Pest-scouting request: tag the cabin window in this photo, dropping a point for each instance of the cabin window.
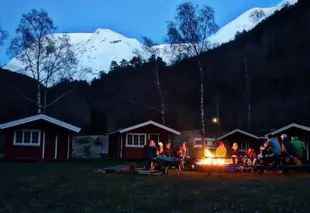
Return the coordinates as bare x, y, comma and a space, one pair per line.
27, 137
244, 146
154, 137
135, 140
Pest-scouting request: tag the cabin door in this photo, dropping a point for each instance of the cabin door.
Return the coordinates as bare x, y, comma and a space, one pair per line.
49, 145
154, 137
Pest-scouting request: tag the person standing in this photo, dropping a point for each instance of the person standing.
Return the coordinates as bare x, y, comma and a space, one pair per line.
151, 150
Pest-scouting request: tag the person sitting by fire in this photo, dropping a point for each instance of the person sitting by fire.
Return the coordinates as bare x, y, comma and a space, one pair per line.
220, 150
250, 157
167, 149
260, 155
299, 149
151, 150
182, 154
234, 153
286, 148
160, 150
273, 147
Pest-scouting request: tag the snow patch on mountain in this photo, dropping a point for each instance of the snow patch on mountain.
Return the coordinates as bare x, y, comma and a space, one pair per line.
97, 50
246, 22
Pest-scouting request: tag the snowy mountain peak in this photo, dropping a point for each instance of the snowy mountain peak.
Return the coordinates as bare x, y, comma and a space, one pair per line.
246, 21
108, 35
97, 50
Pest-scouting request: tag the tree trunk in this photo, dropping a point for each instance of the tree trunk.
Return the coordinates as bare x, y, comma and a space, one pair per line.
45, 101
161, 96
39, 105
218, 114
202, 114
248, 95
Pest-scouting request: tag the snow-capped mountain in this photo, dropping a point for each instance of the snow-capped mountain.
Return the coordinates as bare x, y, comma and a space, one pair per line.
97, 50
246, 21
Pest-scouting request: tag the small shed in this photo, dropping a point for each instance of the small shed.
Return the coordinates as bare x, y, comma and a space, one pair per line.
293, 129
244, 139
128, 143
38, 137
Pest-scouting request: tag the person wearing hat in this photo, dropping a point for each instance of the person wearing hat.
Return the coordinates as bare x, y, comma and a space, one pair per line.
220, 150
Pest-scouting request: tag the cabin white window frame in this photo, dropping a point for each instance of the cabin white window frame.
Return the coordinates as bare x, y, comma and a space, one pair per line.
139, 145
244, 146
22, 142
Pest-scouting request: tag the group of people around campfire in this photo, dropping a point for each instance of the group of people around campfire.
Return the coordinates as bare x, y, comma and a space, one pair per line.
292, 151
154, 151
234, 152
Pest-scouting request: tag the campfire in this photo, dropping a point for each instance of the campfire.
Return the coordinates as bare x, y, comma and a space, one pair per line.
211, 160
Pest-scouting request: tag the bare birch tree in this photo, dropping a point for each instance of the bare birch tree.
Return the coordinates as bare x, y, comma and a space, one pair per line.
44, 56
152, 52
247, 94
187, 35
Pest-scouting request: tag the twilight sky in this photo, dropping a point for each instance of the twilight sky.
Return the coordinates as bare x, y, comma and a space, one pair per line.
132, 18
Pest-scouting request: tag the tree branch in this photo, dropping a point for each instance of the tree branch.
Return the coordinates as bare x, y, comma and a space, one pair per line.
141, 102
58, 98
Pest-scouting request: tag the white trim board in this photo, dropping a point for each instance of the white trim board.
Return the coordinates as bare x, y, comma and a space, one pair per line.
235, 131
149, 123
40, 117
43, 145
56, 147
298, 126
68, 147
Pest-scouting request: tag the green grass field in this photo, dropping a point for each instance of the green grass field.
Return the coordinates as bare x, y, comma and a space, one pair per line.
74, 187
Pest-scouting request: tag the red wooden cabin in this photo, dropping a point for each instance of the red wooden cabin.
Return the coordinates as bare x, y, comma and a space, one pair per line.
38, 137
128, 143
293, 129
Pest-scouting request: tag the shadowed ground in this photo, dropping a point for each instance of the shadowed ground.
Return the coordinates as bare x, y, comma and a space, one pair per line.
75, 187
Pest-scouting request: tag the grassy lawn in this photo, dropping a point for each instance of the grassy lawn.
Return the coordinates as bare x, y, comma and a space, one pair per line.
73, 187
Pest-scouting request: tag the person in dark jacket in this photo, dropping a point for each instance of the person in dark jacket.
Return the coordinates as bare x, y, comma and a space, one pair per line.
151, 154
286, 148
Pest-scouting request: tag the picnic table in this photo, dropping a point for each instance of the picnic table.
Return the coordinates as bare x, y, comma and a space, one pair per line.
168, 162
270, 163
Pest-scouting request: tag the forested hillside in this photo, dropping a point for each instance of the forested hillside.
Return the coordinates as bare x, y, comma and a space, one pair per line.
272, 60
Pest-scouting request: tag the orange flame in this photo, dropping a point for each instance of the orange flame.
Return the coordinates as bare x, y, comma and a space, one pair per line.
209, 160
